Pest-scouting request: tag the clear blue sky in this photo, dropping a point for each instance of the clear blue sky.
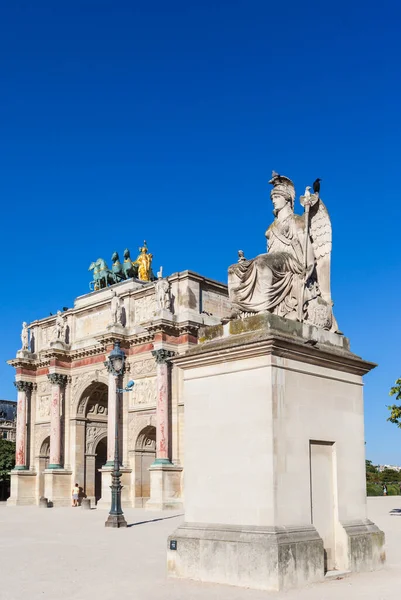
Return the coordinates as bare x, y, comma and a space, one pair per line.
131, 120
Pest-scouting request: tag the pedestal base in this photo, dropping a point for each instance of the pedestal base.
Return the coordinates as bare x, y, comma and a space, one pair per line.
365, 546
105, 500
265, 558
23, 488
58, 486
116, 521
280, 393
165, 487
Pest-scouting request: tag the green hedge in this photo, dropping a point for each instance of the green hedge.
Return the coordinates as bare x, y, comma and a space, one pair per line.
375, 489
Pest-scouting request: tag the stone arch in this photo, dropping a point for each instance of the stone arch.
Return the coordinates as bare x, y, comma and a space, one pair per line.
145, 454
44, 450
146, 439
80, 386
42, 462
94, 435
88, 395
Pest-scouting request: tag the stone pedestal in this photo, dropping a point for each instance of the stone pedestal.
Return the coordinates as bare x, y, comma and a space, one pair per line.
58, 487
165, 487
275, 489
105, 500
23, 488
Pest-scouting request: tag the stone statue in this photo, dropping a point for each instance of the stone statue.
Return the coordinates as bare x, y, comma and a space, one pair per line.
162, 288
116, 308
144, 262
292, 279
59, 334
25, 337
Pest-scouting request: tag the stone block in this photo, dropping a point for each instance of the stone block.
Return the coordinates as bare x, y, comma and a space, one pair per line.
266, 558
58, 486
23, 488
165, 487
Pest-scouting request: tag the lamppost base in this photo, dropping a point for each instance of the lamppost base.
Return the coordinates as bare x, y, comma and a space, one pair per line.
116, 521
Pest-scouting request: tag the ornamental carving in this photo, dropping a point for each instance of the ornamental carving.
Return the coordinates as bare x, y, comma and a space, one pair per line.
145, 309
44, 387
97, 409
142, 367
93, 432
57, 379
44, 407
138, 423
41, 433
161, 356
144, 392
23, 386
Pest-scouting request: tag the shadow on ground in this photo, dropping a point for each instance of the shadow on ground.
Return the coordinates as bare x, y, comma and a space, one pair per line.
154, 520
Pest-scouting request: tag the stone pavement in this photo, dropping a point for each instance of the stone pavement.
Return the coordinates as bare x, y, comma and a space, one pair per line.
68, 553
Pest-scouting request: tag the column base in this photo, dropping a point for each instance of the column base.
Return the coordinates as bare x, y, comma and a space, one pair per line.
165, 487
105, 500
20, 468
116, 521
54, 466
264, 558
58, 486
23, 488
363, 546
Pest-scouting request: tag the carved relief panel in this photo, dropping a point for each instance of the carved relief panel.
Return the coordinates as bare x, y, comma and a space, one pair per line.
144, 393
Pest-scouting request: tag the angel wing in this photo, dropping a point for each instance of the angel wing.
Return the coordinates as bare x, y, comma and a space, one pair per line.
321, 236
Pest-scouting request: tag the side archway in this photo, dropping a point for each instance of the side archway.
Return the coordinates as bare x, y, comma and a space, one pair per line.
145, 454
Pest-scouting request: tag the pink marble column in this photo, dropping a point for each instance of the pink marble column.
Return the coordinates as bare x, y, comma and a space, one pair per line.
111, 419
58, 382
24, 390
162, 407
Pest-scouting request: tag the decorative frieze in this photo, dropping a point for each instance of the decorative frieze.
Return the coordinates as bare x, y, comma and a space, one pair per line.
145, 309
144, 392
43, 407
142, 368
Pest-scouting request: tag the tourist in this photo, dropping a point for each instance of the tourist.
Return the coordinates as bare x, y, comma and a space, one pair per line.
384, 490
75, 495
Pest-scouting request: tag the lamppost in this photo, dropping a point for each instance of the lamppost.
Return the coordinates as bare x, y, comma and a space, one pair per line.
115, 366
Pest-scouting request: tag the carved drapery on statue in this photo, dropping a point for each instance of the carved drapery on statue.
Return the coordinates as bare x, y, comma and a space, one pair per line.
292, 279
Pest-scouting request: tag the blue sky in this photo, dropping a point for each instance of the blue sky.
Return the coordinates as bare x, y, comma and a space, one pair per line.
124, 121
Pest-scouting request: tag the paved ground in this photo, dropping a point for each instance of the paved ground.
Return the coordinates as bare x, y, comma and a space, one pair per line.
65, 553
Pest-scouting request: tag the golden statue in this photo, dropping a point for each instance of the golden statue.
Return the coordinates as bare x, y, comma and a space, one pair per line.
144, 262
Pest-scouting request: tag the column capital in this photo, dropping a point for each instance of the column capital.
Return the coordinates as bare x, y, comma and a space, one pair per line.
24, 386
162, 355
57, 379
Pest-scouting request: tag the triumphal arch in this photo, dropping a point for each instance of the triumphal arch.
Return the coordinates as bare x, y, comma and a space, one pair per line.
67, 398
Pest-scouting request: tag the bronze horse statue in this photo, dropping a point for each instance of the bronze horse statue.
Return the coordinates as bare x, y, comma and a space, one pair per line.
102, 276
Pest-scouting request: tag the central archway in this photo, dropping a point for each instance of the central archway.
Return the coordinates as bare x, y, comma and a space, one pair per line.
93, 406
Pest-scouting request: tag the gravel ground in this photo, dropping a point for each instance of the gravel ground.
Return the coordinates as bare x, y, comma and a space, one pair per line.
65, 553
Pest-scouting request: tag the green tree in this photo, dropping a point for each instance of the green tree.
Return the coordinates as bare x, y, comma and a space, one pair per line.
7, 459
395, 409
390, 475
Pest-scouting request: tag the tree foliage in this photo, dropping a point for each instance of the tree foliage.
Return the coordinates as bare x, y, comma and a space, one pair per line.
395, 409
376, 479
7, 458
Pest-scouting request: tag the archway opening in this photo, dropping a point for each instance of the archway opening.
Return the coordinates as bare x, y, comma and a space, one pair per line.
145, 454
44, 457
100, 460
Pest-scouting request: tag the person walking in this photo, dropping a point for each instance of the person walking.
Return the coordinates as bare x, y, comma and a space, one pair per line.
75, 495
384, 490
